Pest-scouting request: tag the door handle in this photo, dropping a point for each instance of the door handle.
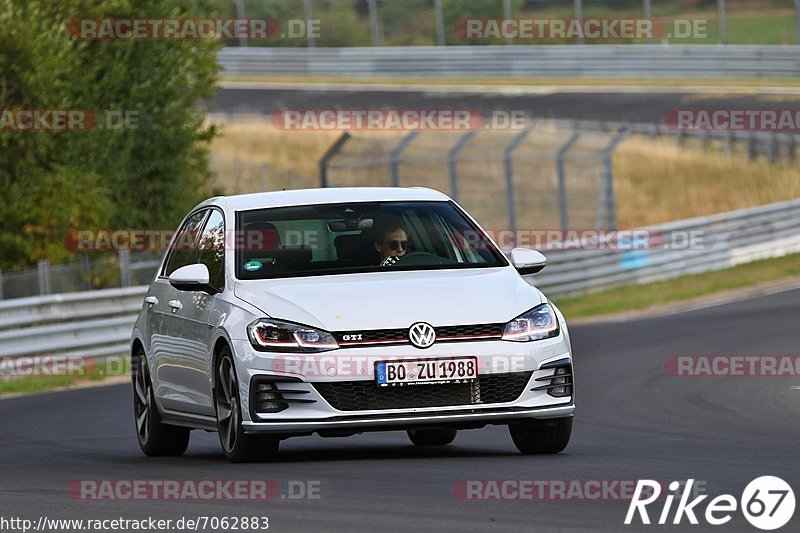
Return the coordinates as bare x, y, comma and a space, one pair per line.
175, 304
152, 300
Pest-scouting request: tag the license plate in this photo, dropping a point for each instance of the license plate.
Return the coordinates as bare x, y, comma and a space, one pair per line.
424, 371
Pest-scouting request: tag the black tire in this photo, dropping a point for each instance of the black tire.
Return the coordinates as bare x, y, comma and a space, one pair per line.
533, 436
155, 438
237, 446
432, 437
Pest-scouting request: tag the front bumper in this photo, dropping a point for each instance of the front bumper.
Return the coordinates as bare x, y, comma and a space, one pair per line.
460, 419
316, 415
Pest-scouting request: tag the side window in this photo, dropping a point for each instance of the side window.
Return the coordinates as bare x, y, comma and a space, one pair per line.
212, 249
182, 251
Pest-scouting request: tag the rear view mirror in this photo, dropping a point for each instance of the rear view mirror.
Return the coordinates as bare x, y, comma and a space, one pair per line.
350, 224
192, 278
527, 261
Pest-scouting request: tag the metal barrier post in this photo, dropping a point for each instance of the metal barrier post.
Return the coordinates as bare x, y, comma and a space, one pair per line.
452, 162
705, 139
373, 22
394, 157
579, 15
772, 150
723, 22
329, 154
86, 271
509, 172
240, 14
648, 9
562, 180
507, 16
437, 8
124, 267
607, 200
752, 151
797, 18
43, 267
729, 143
307, 14
1, 284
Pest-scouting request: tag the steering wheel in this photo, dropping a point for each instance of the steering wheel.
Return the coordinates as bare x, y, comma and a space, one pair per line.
421, 258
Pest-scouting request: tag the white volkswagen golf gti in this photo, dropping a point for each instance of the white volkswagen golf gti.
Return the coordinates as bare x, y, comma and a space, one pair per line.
340, 311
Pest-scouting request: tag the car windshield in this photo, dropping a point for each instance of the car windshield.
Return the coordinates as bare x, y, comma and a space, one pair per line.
359, 237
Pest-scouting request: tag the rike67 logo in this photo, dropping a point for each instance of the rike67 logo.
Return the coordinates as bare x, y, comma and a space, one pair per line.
767, 503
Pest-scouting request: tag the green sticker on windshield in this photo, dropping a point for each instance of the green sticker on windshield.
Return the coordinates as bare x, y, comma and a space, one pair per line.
252, 266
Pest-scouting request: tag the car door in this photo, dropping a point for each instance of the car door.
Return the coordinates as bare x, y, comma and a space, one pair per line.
169, 351
194, 317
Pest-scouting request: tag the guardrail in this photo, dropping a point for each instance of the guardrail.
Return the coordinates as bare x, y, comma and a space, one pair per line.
98, 323
655, 60
723, 240
89, 324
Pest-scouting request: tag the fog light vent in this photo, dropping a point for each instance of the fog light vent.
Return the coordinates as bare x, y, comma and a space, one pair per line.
559, 383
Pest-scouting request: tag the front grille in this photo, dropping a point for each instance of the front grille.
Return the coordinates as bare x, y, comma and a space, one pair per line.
475, 330
374, 336
367, 395
400, 336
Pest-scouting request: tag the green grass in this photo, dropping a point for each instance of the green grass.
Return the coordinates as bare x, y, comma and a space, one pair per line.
769, 29
40, 383
637, 297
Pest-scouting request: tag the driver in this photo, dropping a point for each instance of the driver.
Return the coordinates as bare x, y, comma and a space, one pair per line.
391, 241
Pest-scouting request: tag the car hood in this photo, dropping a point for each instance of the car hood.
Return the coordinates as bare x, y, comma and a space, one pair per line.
381, 300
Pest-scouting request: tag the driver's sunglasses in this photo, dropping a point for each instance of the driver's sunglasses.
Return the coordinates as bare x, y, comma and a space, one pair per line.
397, 245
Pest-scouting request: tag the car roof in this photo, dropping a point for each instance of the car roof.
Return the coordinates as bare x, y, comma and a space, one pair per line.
332, 195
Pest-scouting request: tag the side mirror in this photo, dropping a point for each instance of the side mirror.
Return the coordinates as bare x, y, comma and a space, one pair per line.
527, 261
192, 278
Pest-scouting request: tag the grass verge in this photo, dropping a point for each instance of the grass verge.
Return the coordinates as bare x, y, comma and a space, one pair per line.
640, 297
27, 384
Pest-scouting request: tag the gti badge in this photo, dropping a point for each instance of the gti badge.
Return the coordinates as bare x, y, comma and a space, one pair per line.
421, 334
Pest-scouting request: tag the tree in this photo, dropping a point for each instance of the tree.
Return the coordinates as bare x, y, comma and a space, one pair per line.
145, 175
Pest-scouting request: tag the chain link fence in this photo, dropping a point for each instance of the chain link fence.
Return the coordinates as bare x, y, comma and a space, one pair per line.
547, 176
90, 272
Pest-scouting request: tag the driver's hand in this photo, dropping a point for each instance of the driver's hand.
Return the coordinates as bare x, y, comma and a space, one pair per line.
390, 261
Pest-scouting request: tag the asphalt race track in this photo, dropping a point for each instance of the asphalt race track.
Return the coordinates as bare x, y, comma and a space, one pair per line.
633, 421
643, 105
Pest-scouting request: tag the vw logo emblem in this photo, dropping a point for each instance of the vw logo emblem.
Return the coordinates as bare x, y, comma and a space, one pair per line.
421, 334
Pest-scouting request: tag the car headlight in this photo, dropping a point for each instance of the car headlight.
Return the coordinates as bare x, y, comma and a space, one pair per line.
534, 325
270, 335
